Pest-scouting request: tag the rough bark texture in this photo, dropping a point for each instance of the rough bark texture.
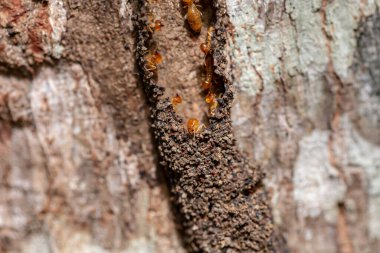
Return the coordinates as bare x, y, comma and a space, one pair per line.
78, 167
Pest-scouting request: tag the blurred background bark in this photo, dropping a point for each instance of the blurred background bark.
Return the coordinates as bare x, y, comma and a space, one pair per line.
78, 166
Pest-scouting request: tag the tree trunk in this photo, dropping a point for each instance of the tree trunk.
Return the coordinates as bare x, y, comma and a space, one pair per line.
94, 157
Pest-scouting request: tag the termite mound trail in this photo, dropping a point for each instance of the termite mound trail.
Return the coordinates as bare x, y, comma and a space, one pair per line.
220, 197
181, 69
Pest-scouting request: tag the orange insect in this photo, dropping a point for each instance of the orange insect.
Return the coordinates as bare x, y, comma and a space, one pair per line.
155, 26
193, 126
193, 16
210, 97
209, 70
152, 60
176, 100
211, 100
206, 46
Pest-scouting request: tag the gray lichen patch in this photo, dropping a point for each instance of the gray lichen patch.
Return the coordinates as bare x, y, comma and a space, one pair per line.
366, 71
221, 201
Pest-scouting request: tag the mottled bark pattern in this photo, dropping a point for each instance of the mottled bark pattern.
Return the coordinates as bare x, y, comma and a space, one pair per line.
306, 110
367, 74
78, 165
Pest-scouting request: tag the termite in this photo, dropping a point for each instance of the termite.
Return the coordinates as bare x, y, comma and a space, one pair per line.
176, 100
152, 60
206, 46
193, 16
194, 126
209, 69
209, 61
155, 26
211, 100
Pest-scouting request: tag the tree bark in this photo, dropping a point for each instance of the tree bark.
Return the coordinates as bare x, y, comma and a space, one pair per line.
85, 163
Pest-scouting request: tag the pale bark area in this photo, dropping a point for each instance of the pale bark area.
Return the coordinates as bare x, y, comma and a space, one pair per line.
78, 169
308, 110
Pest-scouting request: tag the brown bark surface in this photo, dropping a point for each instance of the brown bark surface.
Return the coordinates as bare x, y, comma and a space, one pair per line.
94, 159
